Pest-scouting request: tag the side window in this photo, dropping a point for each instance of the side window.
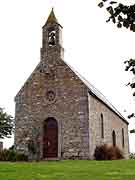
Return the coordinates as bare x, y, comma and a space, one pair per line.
102, 126
113, 138
123, 143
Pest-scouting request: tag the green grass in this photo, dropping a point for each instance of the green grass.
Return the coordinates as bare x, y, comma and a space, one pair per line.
69, 170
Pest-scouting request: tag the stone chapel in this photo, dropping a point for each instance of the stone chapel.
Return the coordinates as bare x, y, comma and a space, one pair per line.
58, 113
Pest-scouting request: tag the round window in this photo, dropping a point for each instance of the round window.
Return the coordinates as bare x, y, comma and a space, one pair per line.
50, 95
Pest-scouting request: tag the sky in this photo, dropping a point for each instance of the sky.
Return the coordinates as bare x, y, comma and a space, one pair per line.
94, 48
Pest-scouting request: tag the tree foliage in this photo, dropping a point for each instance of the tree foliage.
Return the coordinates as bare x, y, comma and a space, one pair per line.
130, 66
6, 124
132, 131
120, 14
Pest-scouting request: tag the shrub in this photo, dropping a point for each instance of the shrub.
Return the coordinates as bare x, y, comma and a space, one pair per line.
106, 152
132, 156
101, 152
11, 155
12, 147
21, 157
4, 155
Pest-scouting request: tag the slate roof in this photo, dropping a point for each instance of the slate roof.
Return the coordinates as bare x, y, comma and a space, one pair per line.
97, 94
52, 19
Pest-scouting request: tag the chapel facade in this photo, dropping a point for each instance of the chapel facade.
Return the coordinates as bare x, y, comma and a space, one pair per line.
58, 113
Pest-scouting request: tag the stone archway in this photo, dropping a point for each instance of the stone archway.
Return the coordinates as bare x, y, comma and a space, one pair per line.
50, 138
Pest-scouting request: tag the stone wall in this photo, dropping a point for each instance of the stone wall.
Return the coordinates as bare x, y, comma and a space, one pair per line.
111, 122
69, 108
77, 113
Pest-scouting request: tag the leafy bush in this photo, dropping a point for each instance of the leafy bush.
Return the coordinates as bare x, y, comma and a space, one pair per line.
4, 155
106, 152
12, 147
101, 152
11, 155
21, 157
132, 156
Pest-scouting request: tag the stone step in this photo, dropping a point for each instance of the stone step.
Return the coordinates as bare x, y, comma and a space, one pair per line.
51, 159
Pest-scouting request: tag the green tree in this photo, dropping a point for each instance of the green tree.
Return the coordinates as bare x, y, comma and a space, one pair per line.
130, 66
120, 14
6, 124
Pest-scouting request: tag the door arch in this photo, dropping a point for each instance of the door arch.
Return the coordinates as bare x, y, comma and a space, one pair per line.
114, 138
50, 138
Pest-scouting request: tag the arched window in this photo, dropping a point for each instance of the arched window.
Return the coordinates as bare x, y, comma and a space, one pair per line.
102, 126
123, 143
114, 138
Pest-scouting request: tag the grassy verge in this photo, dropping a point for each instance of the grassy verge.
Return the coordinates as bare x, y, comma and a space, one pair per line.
69, 170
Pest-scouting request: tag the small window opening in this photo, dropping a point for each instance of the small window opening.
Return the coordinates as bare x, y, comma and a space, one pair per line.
114, 138
123, 143
102, 126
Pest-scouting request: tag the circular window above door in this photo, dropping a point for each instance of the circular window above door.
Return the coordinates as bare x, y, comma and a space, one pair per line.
50, 95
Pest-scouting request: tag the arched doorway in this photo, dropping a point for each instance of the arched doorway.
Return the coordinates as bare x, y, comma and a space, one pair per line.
50, 138
114, 138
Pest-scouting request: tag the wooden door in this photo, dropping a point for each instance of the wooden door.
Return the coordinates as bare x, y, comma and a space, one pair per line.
50, 139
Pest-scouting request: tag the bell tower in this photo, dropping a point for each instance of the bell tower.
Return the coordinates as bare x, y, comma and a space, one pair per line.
51, 38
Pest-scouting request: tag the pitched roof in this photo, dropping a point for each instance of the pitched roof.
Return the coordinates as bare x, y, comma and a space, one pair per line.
98, 95
51, 18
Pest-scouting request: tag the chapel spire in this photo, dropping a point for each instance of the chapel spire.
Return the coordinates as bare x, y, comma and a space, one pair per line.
51, 18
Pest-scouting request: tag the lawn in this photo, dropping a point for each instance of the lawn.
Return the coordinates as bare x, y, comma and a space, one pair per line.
69, 170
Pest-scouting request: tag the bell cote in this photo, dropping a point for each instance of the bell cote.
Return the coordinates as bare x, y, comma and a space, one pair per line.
51, 36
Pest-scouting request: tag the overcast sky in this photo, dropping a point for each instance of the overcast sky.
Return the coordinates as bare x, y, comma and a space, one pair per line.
93, 47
